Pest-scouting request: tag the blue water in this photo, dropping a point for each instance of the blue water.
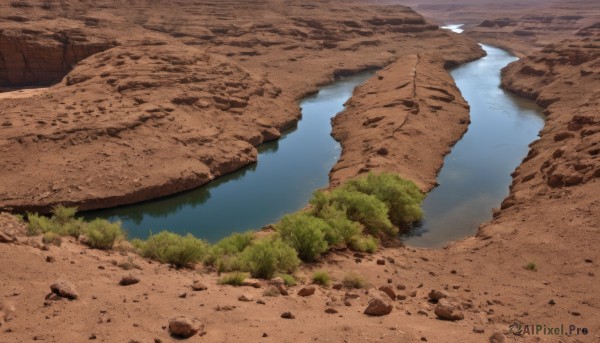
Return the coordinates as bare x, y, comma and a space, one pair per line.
283, 180
476, 174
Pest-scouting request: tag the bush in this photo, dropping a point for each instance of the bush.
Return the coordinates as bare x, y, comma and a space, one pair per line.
40, 224
531, 266
224, 253
267, 256
288, 279
353, 280
51, 237
402, 197
365, 243
342, 230
168, 247
234, 279
62, 214
305, 234
322, 278
102, 234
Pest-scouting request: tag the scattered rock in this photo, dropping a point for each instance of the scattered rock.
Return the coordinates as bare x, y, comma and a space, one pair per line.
478, 329
378, 307
306, 291
246, 297
182, 327
252, 283
497, 337
198, 286
389, 291
182, 295
288, 315
400, 287
448, 311
575, 313
331, 310
436, 295
64, 288
50, 259
338, 286
381, 262
129, 280
551, 302
401, 297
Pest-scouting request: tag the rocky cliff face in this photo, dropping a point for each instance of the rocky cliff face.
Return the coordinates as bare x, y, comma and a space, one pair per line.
564, 78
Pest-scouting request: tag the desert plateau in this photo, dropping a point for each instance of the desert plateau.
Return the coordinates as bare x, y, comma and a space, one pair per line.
299, 171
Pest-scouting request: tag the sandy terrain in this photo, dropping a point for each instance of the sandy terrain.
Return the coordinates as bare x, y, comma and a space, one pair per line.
550, 218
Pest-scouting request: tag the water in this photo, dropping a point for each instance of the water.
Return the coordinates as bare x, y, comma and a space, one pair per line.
476, 174
287, 172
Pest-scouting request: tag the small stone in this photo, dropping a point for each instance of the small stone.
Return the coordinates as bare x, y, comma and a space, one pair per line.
381, 262
400, 287
331, 310
93, 336
389, 280
423, 313
129, 280
252, 283
478, 329
246, 298
182, 327
497, 337
338, 286
401, 297
64, 288
260, 301
182, 295
50, 259
265, 335
424, 339
198, 286
575, 313
436, 295
587, 260
306, 291
551, 302
453, 271
347, 303
288, 315
389, 291
448, 311
413, 294
378, 307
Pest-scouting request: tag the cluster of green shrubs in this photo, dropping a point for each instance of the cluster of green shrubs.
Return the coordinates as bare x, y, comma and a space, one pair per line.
355, 215
99, 233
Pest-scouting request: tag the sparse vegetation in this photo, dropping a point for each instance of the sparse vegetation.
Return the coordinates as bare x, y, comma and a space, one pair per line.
102, 234
288, 279
322, 278
531, 266
51, 237
268, 256
353, 280
233, 279
365, 244
168, 247
304, 233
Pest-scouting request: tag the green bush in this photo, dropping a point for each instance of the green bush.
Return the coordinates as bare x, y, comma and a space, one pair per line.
322, 278
224, 253
233, 279
38, 224
305, 234
62, 214
267, 256
341, 229
51, 237
365, 243
288, 279
402, 197
353, 280
168, 247
365, 209
102, 234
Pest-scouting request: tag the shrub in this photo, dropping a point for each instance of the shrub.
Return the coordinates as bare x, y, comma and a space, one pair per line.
62, 214
267, 256
168, 247
38, 224
322, 278
234, 279
531, 266
402, 197
224, 253
288, 279
51, 237
365, 243
102, 234
305, 234
342, 230
353, 280
365, 209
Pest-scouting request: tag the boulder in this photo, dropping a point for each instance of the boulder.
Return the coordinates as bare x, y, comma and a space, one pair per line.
306, 291
252, 283
389, 291
436, 295
65, 289
182, 327
246, 297
199, 286
129, 280
378, 307
447, 310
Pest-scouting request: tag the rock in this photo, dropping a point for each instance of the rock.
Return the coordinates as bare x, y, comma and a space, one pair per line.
50, 259
331, 310
182, 295
282, 289
448, 311
252, 283
401, 297
277, 281
551, 302
413, 294
337, 286
389, 291
306, 291
198, 286
478, 329
347, 303
246, 297
378, 307
400, 287
129, 280
381, 262
182, 327
65, 289
5, 238
288, 315
497, 337
436, 295
271, 291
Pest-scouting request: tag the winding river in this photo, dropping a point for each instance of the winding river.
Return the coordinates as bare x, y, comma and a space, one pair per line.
474, 179
283, 180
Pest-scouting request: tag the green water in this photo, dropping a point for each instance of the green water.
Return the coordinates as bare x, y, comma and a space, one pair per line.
287, 172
